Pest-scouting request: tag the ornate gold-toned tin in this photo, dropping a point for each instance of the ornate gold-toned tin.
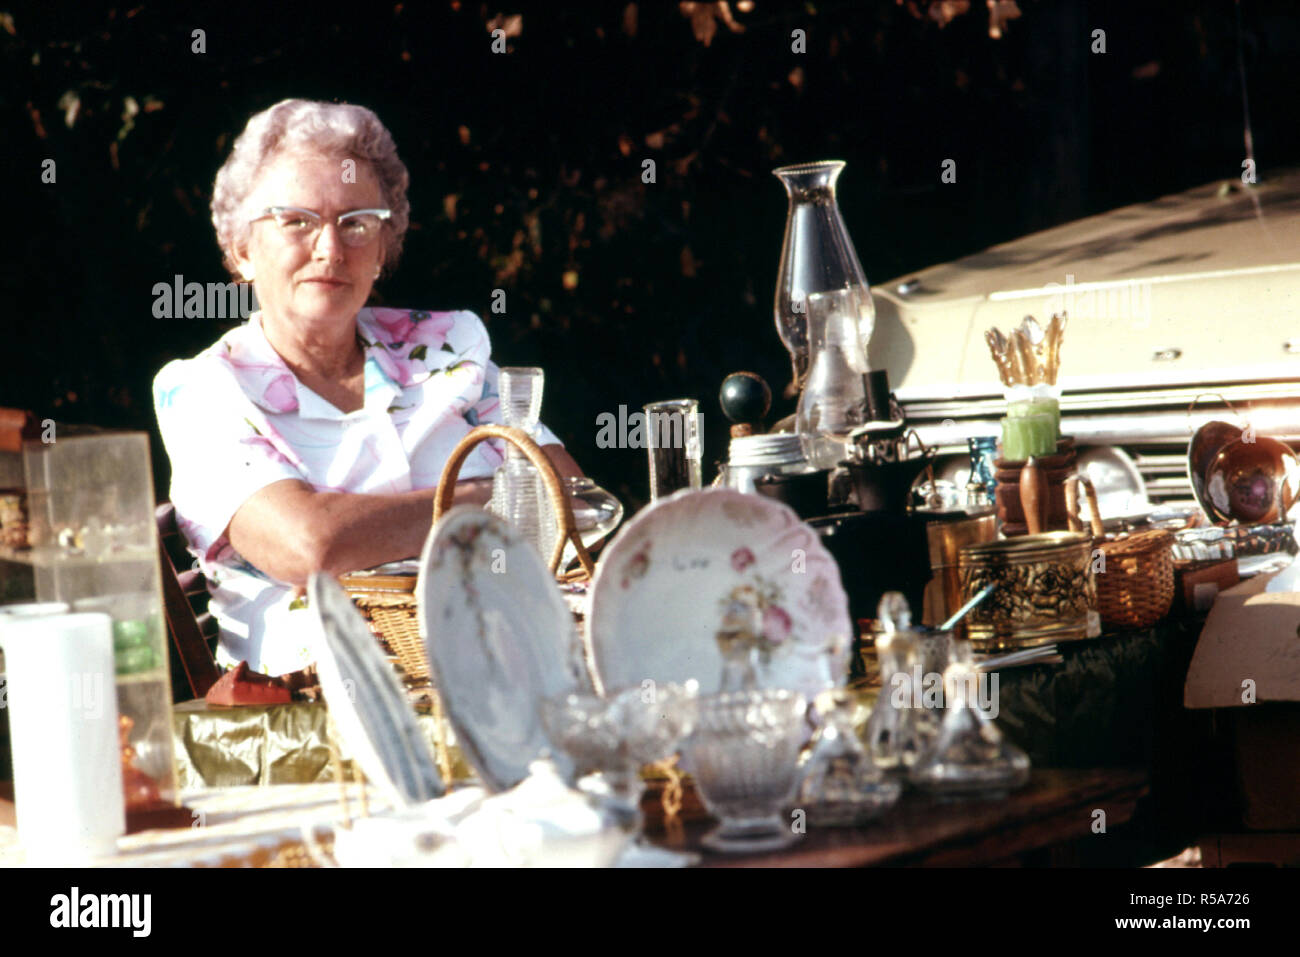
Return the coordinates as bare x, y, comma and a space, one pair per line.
1045, 590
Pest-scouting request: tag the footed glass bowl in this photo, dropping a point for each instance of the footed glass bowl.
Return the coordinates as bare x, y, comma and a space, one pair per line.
745, 753
615, 736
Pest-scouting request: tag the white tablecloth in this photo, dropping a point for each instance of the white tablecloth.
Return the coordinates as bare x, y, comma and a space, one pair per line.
231, 827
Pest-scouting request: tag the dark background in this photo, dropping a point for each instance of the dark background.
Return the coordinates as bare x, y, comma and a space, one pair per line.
526, 167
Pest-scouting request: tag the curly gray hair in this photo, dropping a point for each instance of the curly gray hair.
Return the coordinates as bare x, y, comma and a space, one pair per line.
337, 129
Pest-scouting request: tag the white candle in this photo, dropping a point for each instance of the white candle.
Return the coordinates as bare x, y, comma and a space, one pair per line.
63, 732
26, 610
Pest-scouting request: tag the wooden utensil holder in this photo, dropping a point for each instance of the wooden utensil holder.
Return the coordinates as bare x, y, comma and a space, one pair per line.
1055, 469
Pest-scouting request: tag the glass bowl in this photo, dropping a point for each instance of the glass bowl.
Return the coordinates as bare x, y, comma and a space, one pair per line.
615, 736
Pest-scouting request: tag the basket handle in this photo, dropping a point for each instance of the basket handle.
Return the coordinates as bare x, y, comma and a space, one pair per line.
1219, 395
1072, 503
559, 499
1090, 491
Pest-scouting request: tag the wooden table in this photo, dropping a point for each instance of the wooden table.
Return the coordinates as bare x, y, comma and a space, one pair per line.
1039, 824
253, 826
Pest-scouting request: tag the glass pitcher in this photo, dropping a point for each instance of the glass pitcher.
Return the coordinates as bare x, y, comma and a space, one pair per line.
817, 256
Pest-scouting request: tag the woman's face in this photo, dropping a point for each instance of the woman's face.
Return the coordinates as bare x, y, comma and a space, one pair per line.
318, 281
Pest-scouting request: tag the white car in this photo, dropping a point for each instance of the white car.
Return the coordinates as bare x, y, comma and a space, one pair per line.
1192, 299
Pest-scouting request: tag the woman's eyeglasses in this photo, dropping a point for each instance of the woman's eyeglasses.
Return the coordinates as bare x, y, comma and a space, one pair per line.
356, 228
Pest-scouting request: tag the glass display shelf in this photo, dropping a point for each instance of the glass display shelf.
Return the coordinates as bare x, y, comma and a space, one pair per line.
88, 504
53, 556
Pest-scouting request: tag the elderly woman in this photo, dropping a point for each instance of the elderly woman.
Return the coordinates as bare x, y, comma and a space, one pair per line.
312, 437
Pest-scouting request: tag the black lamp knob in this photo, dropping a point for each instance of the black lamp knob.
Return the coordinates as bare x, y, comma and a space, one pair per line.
745, 398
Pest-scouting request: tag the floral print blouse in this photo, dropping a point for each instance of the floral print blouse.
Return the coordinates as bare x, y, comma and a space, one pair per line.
235, 419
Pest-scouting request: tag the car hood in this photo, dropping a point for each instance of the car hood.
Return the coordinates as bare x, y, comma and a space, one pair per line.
1197, 287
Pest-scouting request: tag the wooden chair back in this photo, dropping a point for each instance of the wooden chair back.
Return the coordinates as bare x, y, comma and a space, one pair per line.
192, 629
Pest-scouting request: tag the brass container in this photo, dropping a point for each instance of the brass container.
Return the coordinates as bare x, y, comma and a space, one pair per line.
946, 539
1045, 593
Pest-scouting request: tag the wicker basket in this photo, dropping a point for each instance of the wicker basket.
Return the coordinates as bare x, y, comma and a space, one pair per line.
388, 601
388, 604
1137, 587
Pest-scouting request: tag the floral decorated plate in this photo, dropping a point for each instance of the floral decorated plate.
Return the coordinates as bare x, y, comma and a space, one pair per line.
676, 575
366, 700
499, 640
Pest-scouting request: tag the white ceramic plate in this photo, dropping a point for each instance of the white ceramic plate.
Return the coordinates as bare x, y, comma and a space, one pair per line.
662, 585
366, 700
499, 639
1121, 491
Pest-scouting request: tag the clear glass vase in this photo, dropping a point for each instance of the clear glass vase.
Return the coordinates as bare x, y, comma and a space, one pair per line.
817, 256
745, 756
518, 495
894, 738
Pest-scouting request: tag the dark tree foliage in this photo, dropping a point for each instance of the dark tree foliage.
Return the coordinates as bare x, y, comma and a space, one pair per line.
527, 166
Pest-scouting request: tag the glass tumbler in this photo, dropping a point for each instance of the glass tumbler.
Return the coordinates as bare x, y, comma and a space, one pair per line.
673, 439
